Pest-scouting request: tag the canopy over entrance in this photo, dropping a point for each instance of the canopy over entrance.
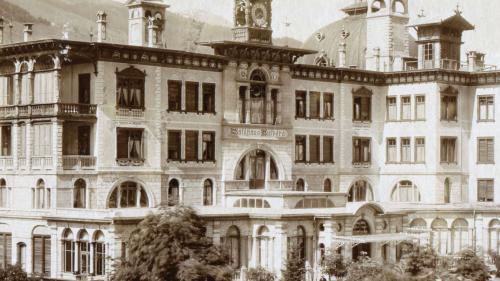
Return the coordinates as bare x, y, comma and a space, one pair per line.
383, 238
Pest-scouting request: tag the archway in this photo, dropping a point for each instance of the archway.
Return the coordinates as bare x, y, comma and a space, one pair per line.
360, 228
257, 167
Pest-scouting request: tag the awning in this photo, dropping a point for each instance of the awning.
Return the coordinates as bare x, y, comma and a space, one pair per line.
383, 238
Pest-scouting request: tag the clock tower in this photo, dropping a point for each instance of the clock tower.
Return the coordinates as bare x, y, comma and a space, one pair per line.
252, 21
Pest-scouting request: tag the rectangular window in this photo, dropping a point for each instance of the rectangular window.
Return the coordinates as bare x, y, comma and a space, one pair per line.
314, 105
300, 104
428, 52
420, 150
486, 108
485, 191
41, 255
392, 109
328, 150
42, 140
448, 150
361, 150
314, 149
6, 139
174, 95
130, 93
328, 106
192, 96
208, 146
6, 90
300, 148
191, 145
362, 108
5, 249
130, 144
449, 108
391, 151
174, 145
420, 107
485, 150
405, 150
405, 108
208, 97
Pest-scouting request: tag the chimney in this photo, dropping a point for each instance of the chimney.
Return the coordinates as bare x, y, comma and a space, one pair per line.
28, 31
1, 30
475, 61
101, 26
342, 55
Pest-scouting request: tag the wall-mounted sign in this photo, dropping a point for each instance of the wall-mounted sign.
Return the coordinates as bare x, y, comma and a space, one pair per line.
256, 133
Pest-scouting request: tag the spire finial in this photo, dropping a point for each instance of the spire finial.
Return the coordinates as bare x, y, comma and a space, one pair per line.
421, 14
457, 10
344, 34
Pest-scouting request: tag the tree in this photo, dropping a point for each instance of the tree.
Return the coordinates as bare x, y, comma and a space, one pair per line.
366, 269
260, 274
471, 267
334, 265
420, 261
13, 273
172, 246
295, 266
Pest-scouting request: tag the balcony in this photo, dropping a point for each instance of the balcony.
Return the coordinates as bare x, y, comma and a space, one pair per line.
6, 162
69, 110
41, 162
276, 185
78, 162
130, 113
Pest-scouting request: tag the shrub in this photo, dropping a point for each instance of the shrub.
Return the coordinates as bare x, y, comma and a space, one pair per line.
260, 274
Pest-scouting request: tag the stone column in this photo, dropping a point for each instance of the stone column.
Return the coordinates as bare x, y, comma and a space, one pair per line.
29, 144
268, 171
279, 105
183, 145
321, 105
183, 96
481, 247
54, 254
308, 145
269, 119
16, 88
437, 55
247, 105
15, 144
200, 145
321, 149
31, 90
280, 248
308, 105
200, 97
57, 144
57, 85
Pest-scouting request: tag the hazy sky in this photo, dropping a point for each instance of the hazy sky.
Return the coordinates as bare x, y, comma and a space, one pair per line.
306, 16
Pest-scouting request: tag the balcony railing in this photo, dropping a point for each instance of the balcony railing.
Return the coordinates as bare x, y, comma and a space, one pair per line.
48, 110
41, 162
78, 162
6, 162
130, 112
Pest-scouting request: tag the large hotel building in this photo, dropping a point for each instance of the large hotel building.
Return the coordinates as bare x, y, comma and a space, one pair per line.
376, 133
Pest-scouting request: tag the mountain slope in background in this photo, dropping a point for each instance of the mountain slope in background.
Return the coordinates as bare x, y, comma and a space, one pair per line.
50, 17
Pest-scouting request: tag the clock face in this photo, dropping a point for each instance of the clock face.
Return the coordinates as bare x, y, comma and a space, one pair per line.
259, 15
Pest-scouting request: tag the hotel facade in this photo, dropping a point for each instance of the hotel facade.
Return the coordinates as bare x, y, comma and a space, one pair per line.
366, 139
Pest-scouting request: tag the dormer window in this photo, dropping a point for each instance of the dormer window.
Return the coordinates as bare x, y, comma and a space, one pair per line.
130, 89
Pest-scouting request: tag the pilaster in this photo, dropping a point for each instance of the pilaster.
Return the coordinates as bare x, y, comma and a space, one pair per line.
57, 144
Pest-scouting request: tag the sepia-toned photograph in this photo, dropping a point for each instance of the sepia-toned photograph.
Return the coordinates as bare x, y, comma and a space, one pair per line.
249, 140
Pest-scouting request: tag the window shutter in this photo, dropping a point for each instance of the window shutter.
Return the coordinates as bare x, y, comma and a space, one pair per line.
491, 150
37, 255
8, 249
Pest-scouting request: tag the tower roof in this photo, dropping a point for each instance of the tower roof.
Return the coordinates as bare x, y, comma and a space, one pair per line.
456, 21
147, 2
360, 7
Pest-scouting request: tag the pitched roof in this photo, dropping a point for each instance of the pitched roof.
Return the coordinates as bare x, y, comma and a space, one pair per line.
356, 8
455, 21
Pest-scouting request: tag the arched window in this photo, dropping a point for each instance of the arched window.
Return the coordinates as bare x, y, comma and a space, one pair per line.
439, 236
405, 191
399, 7
255, 106
130, 89
68, 251
99, 254
173, 192
300, 185
361, 227
251, 203
360, 191
208, 193
254, 168
233, 245
41, 196
83, 252
447, 191
3, 194
377, 5
327, 185
79, 193
418, 224
314, 203
128, 195
494, 236
300, 240
265, 248
459, 235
